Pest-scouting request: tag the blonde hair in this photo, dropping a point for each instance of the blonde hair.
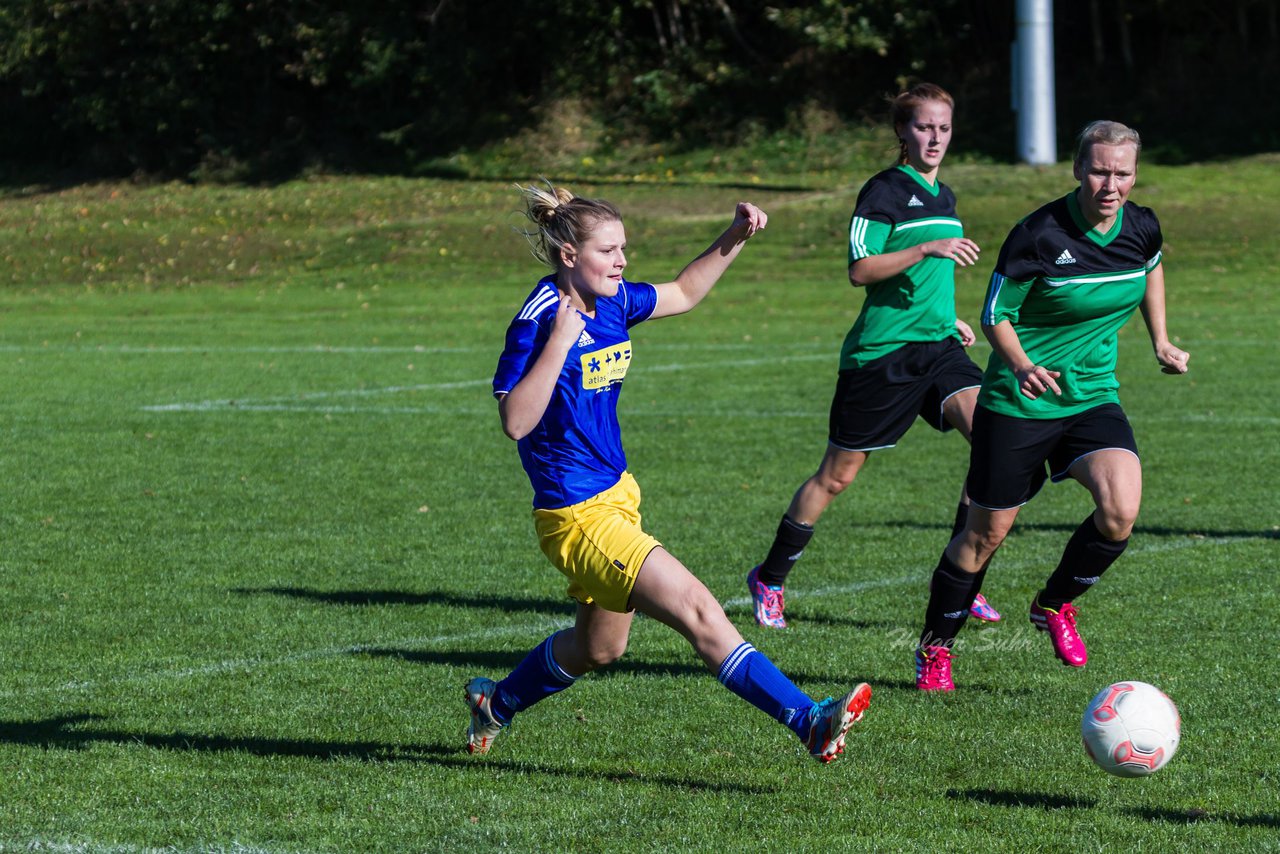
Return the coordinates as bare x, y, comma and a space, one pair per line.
902, 109
1103, 132
560, 218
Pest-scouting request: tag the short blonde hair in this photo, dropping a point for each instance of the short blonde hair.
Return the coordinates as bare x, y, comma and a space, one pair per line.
560, 218
1103, 132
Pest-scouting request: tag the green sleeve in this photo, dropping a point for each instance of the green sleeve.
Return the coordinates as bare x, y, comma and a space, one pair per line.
867, 237
1004, 299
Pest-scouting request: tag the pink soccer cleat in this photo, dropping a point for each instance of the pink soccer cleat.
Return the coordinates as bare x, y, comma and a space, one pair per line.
982, 610
1061, 626
933, 669
767, 601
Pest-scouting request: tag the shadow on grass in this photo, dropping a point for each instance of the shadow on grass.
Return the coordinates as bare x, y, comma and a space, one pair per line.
583, 180
505, 661
501, 662
1068, 528
1038, 800
78, 732
969, 688
1196, 816
403, 597
1043, 800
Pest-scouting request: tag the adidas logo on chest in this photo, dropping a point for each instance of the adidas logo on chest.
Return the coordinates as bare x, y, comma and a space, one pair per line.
915, 202
1065, 258
585, 340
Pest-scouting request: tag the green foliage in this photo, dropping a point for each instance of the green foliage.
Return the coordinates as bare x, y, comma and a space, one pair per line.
252, 89
836, 29
219, 89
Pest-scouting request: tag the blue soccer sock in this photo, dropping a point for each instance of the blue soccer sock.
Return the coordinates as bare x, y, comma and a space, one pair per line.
533, 680
755, 679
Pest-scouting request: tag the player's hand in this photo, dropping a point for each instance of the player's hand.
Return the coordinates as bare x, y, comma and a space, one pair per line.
962, 250
569, 323
967, 338
1171, 359
749, 218
1035, 381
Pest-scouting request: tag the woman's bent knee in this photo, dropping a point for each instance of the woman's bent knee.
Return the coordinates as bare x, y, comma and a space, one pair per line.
1116, 523
834, 483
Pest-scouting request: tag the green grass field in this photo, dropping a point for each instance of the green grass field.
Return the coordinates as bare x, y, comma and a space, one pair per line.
260, 524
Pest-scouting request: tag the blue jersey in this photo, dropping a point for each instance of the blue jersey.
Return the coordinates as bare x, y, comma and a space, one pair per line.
575, 451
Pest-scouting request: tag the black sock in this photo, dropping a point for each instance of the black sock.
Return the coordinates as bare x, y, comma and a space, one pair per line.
1087, 556
951, 594
788, 545
962, 516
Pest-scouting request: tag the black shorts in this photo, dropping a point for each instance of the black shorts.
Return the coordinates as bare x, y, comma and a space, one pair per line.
1011, 457
875, 405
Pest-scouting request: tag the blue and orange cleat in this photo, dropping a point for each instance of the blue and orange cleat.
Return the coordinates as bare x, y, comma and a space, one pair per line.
830, 721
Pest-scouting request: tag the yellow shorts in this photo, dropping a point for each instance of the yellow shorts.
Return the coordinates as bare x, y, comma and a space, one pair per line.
598, 544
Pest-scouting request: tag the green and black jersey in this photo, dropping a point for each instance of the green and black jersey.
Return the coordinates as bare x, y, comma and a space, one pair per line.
1067, 289
898, 209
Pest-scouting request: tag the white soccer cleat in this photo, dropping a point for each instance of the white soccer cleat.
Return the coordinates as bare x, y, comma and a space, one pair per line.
484, 727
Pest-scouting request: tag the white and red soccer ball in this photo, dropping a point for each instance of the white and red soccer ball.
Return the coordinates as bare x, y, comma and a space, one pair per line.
1131, 729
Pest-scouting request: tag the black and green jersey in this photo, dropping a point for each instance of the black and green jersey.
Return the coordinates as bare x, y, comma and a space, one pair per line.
898, 209
1067, 289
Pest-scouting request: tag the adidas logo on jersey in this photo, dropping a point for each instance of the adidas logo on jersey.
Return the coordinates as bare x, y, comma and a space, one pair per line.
585, 340
1065, 258
915, 202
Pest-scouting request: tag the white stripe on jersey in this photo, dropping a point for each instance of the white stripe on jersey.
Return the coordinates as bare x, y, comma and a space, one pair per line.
858, 237
1155, 262
1093, 280
918, 223
538, 302
989, 308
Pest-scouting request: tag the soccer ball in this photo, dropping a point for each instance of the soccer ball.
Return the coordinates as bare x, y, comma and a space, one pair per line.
1131, 729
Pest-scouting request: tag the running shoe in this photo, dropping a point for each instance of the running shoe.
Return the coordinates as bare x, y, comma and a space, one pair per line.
933, 669
1061, 626
484, 726
982, 610
766, 600
830, 721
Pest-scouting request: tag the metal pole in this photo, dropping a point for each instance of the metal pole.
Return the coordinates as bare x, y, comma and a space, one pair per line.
1033, 82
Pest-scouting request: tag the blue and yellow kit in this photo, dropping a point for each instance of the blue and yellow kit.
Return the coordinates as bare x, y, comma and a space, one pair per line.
575, 451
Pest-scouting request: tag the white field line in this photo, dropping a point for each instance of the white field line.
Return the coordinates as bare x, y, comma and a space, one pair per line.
487, 411
142, 349
323, 349
831, 347
529, 629
273, 404
298, 402
1263, 420
93, 847
291, 403
245, 665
